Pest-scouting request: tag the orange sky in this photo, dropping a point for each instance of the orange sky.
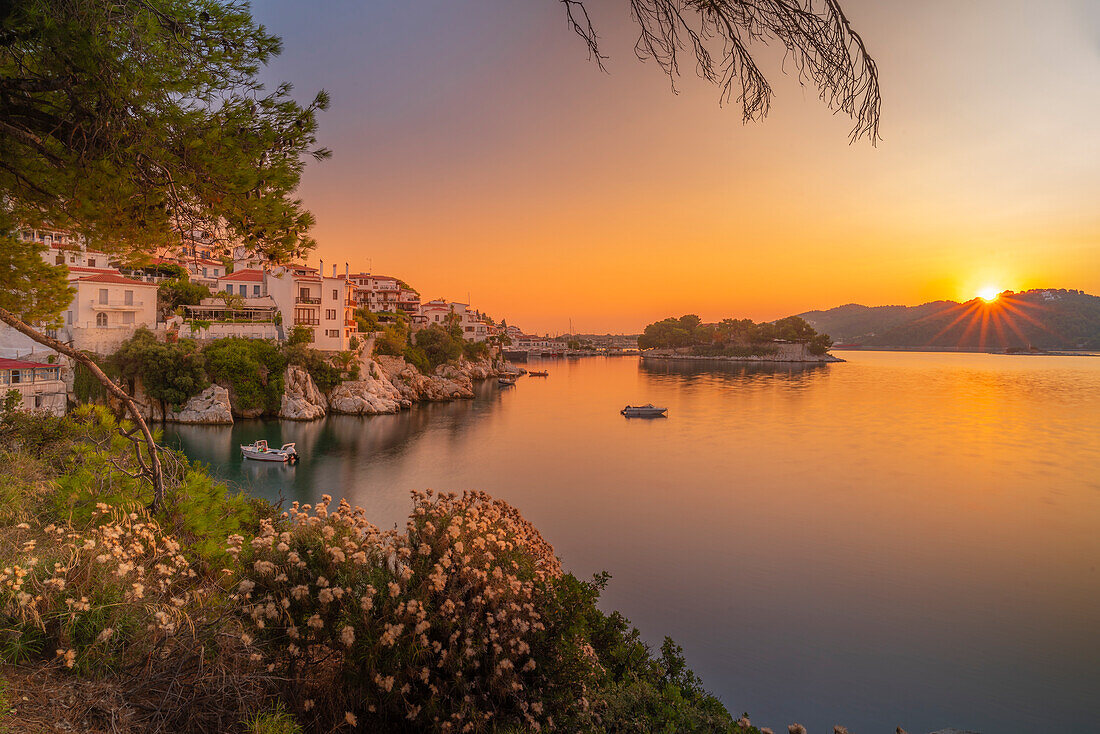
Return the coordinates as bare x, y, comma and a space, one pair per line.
477, 151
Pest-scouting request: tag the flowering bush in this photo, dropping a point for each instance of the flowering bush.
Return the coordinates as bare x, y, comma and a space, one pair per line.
430, 628
92, 596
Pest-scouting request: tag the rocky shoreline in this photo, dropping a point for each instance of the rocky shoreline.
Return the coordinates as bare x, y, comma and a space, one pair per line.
386, 385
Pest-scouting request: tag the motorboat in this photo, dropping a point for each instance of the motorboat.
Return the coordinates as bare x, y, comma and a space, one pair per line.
260, 451
644, 411
507, 381
539, 373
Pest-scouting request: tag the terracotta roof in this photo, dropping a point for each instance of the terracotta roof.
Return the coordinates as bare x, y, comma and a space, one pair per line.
249, 275
113, 278
18, 364
201, 260
82, 272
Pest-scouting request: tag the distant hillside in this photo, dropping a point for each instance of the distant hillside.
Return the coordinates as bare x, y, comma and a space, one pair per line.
1041, 318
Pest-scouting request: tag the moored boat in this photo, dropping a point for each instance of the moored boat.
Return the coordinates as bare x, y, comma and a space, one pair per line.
260, 451
507, 381
644, 411
539, 373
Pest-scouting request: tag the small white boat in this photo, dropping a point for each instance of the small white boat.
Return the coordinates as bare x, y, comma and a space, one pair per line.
539, 373
644, 411
261, 452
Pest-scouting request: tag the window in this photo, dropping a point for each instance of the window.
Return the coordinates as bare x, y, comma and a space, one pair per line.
217, 272
91, 262
101, 319
128, 298
128, 317
72, 258
38, 401
335, 294
256, 290
16, 376
330, 314
103, 295
229, 288
204, 274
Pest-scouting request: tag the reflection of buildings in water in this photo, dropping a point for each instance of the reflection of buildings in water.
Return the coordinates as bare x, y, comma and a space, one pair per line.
798, 373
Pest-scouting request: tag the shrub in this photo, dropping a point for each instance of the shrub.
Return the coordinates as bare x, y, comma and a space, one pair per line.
252, 368
170, 373
428, 629
475, 350
438, 345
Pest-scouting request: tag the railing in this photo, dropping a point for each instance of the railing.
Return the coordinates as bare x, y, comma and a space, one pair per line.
98, 304
308, 299
306, 321
351, 322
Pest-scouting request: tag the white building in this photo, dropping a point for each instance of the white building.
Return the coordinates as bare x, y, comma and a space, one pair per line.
245, 283
39, 385
469, 320
213, 319
325, 305
107, 309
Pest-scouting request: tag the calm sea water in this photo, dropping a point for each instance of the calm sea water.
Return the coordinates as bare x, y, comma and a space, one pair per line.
905, 538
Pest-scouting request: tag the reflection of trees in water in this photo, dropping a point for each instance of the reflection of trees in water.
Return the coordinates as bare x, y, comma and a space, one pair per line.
334, 450
797, 374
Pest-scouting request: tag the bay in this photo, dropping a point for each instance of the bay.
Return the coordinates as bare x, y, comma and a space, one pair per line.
904, 538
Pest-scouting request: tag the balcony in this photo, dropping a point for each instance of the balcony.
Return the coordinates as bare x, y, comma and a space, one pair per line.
309, 300
116, 305
307, 321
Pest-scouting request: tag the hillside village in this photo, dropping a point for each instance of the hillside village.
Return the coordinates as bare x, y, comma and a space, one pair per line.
248, 298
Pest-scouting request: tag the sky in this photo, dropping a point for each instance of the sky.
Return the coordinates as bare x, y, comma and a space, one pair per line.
480, 155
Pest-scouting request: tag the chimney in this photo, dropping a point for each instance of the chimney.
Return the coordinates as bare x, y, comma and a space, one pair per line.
347, 270
321, 270
334, 270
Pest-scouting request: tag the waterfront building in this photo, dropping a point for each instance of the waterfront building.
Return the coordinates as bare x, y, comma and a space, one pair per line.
325, 305
255, 318
469, 320
245, 283
39, 385
106, 309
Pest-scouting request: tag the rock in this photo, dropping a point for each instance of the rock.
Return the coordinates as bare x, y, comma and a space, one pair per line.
302, 401
954, 731
210, 407
371, 395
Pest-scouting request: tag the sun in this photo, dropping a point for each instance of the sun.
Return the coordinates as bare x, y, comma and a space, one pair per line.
989, 294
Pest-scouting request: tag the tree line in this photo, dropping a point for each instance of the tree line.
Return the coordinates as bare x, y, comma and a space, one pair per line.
689, 331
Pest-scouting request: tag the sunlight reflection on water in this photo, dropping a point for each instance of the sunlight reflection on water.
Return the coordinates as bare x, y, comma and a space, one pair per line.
906, 538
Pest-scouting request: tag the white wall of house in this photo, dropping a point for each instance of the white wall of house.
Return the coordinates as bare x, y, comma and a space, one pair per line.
106, 310
39, 385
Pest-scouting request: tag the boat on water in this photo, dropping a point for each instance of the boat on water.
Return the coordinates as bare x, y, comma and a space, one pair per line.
539, 373
644, 411
507, 381
260, 451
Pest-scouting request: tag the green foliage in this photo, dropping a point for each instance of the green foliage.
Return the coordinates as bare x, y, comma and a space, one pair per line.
670, 333
440, 345
394, 339
275, 721
154, 112
252, 368
475, 350
12, 400
325, 374
300, 335
170, 372
34, 291
171, 294
731, 337
366, 320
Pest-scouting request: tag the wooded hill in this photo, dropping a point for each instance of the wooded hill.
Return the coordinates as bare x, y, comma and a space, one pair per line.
1040, 318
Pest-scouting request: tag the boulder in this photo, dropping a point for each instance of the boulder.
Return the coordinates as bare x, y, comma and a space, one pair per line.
210, 407
302, 401
371, 395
